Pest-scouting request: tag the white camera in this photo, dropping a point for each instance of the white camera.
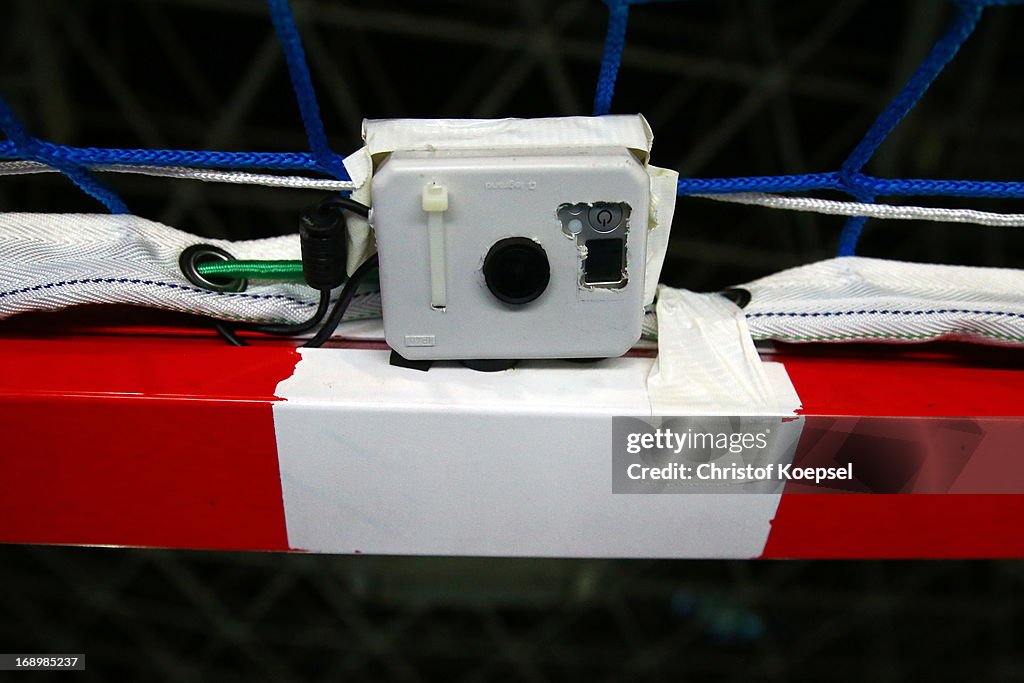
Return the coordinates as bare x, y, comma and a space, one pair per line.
511, 254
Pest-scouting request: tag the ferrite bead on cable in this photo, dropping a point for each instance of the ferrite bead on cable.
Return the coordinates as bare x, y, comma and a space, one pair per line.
324, 252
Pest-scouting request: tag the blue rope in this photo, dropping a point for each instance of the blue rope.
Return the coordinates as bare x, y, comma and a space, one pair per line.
849, 178
869, 185
88, 156
907, 187
302, 84
770, 183
853, 228
941, 54
867, 188
72, 160
611, 58
27, 147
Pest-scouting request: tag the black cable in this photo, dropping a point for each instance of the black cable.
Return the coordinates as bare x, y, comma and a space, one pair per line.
287, 329
229, 334
348, 292
323, 256
315, 259
339, 202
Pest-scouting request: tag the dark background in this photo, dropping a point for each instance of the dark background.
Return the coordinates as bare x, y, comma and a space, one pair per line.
730, 88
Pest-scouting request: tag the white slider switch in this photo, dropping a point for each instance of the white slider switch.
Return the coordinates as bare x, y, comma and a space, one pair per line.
435, 203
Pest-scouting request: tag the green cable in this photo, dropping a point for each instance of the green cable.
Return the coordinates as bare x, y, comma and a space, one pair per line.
251, 270
260, 270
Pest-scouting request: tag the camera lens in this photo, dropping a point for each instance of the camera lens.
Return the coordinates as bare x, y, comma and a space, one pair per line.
516, 270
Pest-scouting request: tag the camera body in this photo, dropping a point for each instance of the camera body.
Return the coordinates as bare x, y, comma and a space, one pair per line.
511, 254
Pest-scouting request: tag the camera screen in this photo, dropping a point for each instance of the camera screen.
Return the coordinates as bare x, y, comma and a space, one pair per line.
605, 261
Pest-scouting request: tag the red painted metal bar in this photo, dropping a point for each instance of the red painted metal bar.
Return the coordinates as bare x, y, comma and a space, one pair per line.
150, 436
158, 434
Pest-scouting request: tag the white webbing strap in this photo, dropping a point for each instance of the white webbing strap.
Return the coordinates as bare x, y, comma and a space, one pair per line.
855, 298
51, 261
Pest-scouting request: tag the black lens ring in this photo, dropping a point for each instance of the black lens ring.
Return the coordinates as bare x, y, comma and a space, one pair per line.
493, 279
204, 253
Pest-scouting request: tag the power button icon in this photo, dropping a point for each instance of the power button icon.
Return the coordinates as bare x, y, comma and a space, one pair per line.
605, 217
